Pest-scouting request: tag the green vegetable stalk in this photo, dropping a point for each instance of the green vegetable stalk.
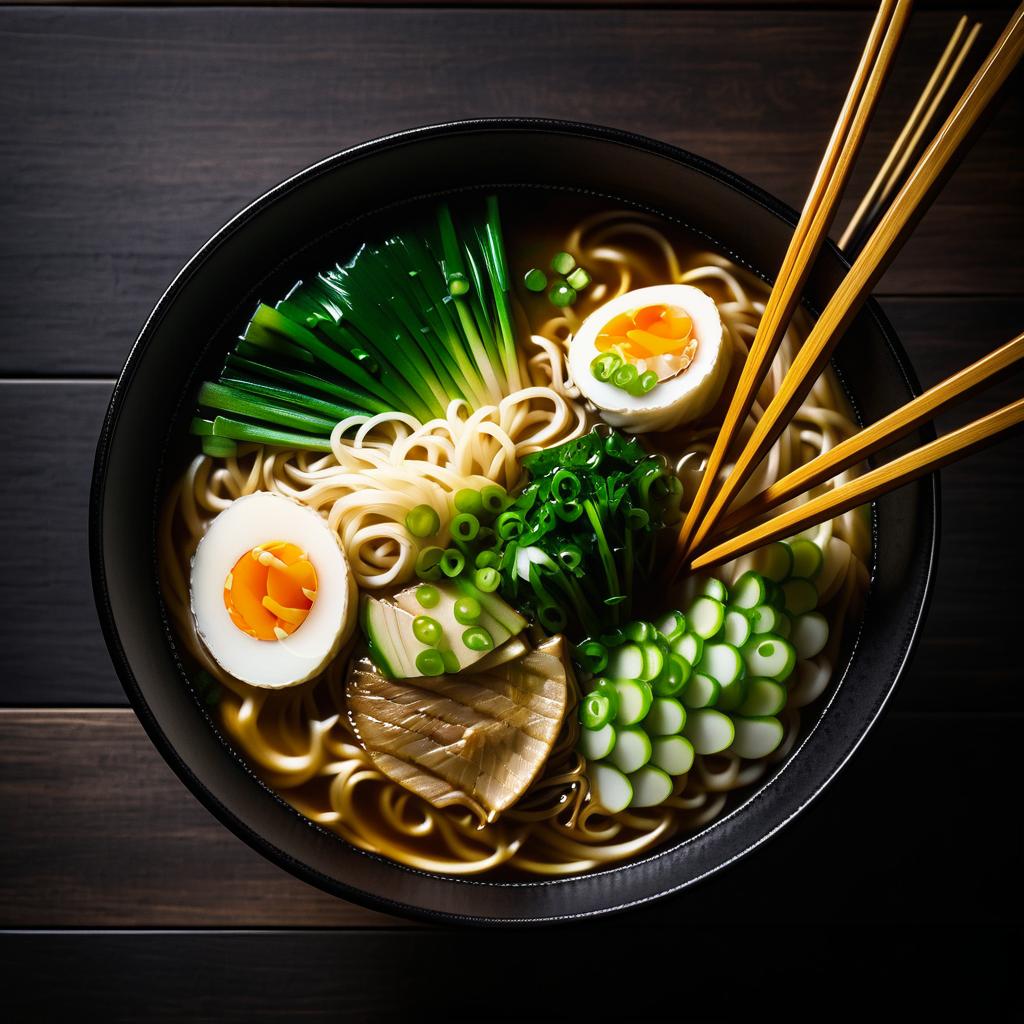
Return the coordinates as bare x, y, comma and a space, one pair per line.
406, 325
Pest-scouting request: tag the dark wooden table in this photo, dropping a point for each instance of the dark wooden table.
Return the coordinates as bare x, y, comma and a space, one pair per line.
129, 136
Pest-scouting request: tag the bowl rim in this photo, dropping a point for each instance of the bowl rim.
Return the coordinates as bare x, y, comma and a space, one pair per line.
194, 265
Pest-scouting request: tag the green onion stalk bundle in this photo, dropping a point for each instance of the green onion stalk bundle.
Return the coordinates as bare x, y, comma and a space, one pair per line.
579, 544
406, 325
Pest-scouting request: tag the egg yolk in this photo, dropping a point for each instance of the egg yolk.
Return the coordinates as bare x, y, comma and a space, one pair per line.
657, 337
270, 590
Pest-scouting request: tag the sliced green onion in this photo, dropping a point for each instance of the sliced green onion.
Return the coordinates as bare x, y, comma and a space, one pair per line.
595, 711
579, 279
427, 630
807, 558
634, 701
709, 731
487, 560
770, 656
563, 263
609, 689
467, 500
510, 525
716, 589
624, 376
632, 750
633, 387
494, 498
570, 556
672, 625
738, 626
672, 754
595, 744
592, 656
487, 579
666, 716
428, 563
626, 662
603, 366
757, 737
764, 697
647, 381
465, 526
675, 674
467, 611
535, 279
422, 521
476, 638
749, 591
765, 618
706, 617
774, 562
651, 786
562, 295
569, 511
565, 485
430, 662
639, 632
452, 562
612, 790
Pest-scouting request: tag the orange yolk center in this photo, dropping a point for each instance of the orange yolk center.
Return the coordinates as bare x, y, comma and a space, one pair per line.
270, 590
658, 338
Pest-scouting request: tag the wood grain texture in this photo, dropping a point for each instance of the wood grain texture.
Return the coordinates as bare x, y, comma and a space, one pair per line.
51, 427
53, 649
114, 839
98, 833
133, 135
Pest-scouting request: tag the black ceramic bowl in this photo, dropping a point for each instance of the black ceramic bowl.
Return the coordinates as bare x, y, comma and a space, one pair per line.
256, 254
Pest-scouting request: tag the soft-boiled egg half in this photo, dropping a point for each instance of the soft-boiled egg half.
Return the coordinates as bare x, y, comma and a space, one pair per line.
273, 596
652, 358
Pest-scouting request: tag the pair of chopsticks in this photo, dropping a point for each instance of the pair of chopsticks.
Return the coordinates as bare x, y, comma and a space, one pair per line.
889, 176
892, 229
886, 431
811, 231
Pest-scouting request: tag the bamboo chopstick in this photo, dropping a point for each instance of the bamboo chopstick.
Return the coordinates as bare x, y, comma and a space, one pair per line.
863, 489
810, 232
878, 435
880, 249
888, 177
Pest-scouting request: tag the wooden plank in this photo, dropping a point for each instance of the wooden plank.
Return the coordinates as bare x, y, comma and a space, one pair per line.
50, 430
98, 833
117, 840
391, 975
53, 649
133, 134
966, 657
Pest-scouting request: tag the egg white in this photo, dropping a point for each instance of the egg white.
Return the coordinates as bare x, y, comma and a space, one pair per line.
679, 399
261, 518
